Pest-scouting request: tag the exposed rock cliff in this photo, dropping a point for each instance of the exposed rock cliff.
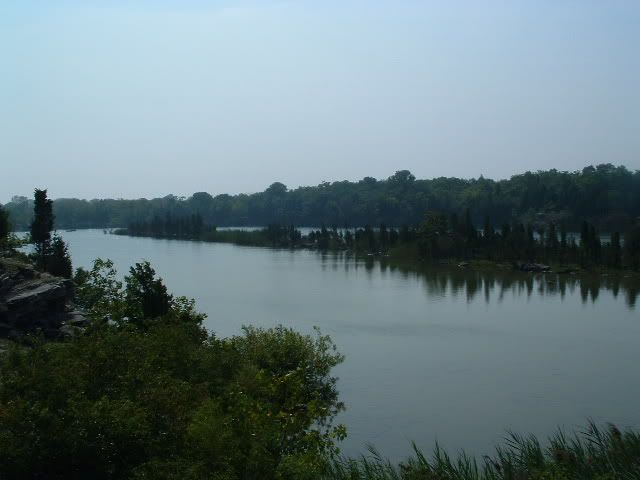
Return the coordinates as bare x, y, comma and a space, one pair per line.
31, 301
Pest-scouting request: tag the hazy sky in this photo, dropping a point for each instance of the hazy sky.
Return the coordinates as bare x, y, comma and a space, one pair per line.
129, 99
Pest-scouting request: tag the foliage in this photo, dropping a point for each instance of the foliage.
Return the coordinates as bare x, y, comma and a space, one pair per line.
150, 394
593, 454
139, 302
170, 226
632, 246
41, 226
273, 235
439, 237
58, 260
161, 398
605, 195
51, 253
99, 291
5, 227
146, 296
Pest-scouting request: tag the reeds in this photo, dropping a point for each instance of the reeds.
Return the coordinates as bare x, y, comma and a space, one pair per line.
595, 453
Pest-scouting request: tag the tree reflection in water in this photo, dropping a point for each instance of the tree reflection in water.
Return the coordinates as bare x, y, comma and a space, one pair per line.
451, 280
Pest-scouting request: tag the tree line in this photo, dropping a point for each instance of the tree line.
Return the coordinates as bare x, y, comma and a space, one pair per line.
605, 195
437, 237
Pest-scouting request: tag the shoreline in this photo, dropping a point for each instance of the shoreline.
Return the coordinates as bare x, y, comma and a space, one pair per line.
410, 262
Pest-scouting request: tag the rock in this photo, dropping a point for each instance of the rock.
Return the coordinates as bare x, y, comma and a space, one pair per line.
47, 292
6, 283
31, 301
532, 267
77, 319
70, 331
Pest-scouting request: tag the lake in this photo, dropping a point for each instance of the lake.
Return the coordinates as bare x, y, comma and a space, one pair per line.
450, 355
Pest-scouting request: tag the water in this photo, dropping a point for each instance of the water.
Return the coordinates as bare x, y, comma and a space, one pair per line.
446, 355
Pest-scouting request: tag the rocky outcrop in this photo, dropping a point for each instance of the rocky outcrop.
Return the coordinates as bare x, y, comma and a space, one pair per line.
532, 267
31, 301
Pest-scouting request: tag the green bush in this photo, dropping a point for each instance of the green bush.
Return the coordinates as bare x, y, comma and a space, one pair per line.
164, 403
163, 398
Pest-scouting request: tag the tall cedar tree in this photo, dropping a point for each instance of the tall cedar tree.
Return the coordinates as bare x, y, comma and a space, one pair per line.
5, 227
58, 259
42, 225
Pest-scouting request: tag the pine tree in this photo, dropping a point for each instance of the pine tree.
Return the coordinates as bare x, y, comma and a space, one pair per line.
384, 237
616, 250
469, 228
552, 239
5, 227
59, 261
488, 229
632, 247
42, 225
596, 248
563, 244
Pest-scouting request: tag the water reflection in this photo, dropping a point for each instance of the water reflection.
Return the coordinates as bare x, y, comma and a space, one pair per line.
449, 354
441, 281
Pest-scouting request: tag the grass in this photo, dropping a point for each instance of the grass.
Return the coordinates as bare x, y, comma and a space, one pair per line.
595, 453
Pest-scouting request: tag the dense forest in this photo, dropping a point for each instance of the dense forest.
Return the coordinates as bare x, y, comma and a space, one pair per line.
605, 195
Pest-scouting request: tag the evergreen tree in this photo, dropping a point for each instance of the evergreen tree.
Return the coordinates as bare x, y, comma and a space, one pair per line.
42, 225
632, 247
552, 239
393, 237
616, 250
348, 239
470, 231
505, 231
454, 224
371, 238
563, 244
596, 248
59, 260
488, 229
323, 241
384, 237
405, 234
5, 227
432, 229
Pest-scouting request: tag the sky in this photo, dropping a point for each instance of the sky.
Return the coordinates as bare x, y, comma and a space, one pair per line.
130, 99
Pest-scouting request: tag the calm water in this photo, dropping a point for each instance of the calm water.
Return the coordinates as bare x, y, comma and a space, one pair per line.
453, 356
